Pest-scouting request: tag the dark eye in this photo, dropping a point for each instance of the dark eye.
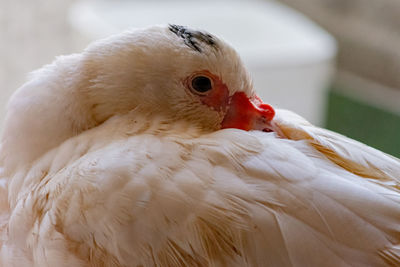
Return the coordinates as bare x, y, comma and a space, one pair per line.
201, 84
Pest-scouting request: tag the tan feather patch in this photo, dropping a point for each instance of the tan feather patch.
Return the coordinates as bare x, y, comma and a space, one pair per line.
345, 163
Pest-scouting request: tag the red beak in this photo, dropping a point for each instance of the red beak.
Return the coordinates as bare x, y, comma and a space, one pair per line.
247, 114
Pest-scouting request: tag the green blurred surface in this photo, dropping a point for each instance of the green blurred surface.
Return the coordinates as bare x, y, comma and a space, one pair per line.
370, 125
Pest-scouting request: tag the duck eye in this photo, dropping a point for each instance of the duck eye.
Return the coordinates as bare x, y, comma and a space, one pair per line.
201, 84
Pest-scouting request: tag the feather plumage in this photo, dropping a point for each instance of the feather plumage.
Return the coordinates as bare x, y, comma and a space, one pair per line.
143, 188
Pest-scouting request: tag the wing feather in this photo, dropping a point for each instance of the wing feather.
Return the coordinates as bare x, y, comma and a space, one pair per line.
349, 154
229, 198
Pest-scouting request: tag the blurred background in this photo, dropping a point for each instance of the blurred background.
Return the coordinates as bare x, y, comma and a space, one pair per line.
335, 62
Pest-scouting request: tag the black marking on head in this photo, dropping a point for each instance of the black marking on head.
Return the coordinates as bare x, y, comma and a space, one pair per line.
193, 38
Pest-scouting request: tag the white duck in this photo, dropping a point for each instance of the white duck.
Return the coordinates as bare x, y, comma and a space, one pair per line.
116, 157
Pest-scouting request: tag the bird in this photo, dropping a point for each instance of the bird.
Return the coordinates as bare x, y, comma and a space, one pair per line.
152, 148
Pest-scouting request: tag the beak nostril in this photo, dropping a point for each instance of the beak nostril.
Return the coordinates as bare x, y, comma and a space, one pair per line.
268, 112
247, 113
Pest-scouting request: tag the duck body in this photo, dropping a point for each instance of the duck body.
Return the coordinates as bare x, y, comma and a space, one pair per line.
138, 187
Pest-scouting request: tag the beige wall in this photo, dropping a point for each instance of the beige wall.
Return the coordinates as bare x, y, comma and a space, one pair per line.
32, 33
368, 33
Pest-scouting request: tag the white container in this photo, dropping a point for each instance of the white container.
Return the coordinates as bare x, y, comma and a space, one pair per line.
290, 58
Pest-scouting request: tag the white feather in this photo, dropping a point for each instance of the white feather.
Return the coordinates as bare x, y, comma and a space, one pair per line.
138, 188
